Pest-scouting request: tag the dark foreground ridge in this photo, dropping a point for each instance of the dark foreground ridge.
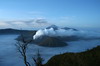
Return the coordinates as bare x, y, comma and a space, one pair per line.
87, 58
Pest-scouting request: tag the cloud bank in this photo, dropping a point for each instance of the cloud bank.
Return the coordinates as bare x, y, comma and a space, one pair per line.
65, 33
25, 24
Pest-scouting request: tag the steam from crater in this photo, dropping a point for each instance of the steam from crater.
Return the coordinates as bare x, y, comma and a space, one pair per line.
65, 33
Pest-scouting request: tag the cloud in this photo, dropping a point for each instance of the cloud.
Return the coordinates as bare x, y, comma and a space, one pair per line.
25, 24
5, 25
66, 33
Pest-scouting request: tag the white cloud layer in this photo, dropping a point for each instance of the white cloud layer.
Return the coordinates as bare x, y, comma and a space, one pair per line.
64, 33
26, 24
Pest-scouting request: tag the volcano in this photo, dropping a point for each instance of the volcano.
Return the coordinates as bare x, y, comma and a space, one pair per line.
51, 42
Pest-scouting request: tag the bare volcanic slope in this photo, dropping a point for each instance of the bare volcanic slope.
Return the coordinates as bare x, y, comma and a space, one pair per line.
52, 42
52, 36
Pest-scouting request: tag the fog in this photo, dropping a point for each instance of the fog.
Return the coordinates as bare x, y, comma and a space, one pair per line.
9, 56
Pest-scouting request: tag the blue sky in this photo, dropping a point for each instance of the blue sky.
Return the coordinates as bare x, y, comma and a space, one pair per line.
74, 13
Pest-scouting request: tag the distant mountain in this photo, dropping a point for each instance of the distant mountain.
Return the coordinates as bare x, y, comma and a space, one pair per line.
56, 28
67, 28
51, 42
9, 31
52, 26
47, 39
14, 31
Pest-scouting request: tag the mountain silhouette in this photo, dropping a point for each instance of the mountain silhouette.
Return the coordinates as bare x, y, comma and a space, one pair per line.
51, 42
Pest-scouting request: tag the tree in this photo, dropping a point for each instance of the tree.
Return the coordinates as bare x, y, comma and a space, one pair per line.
38, 59
22, 48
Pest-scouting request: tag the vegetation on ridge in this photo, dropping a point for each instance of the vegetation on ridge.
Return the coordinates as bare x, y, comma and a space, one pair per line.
87, 58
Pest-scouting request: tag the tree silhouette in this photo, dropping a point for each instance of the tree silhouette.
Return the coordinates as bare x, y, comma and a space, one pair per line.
38, 59
22, 48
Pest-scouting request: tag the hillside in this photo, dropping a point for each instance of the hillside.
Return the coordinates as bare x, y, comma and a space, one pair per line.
27, 34
52, 42
87, 58
13, 31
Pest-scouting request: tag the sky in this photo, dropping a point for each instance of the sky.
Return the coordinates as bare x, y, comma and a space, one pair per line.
71, 13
